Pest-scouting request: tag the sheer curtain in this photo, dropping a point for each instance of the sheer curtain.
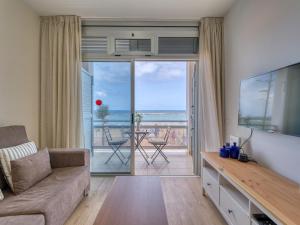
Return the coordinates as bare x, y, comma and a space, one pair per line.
211, 84
60, 119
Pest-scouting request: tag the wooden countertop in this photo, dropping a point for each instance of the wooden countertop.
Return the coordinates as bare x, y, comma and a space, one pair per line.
279, 195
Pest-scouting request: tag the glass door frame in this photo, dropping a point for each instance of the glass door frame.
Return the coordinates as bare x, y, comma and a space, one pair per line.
132, 142
132, 61
195, 95
132, 109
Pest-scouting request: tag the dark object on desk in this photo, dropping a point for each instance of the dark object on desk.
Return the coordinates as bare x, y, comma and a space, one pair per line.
262, 219
243, 157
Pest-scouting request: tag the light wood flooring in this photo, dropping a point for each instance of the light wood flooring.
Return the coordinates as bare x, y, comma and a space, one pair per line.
183, 198
180, 163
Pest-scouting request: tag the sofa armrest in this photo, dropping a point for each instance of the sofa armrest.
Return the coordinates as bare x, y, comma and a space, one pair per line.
64, 157
36, 219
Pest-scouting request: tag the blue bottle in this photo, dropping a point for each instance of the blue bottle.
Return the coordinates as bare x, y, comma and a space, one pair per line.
228, 147
234, 151
224, 152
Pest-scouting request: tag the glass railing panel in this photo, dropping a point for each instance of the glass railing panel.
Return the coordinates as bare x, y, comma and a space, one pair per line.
178, 134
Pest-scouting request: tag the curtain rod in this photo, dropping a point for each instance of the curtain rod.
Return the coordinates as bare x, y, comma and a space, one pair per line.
139, 23
134, 26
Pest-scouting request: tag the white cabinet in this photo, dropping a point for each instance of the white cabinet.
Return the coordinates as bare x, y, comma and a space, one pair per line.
234, 203
231, 207
211, 185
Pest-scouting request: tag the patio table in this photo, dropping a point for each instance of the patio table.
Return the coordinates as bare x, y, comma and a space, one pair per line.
139, 137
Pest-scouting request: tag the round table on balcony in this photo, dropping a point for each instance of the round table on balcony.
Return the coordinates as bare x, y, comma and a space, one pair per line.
139, 137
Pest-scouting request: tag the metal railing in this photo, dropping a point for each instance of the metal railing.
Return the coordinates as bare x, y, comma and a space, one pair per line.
178, 138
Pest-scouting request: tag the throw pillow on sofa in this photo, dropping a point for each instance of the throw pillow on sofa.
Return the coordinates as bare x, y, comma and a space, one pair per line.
13, 153
2, 183
29, 170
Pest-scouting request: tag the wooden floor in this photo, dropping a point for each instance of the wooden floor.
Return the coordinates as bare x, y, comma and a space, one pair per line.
180, 164
183, 198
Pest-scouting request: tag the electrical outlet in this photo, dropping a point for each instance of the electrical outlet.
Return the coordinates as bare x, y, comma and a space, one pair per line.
235, 139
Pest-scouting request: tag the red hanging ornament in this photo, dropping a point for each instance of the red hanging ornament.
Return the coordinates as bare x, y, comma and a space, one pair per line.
98, 102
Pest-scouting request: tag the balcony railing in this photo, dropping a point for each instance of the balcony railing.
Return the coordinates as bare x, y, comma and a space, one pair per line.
178, 138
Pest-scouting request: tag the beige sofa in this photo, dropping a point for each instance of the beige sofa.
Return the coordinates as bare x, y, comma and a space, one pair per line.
52, 200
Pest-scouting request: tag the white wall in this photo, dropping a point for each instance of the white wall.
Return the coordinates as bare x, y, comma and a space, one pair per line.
19, 66
262, 35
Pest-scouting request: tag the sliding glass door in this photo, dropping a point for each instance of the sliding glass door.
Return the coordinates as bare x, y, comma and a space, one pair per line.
112, 116
162, 104
163, 95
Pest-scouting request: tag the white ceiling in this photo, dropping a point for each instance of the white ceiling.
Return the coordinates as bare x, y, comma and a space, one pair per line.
133, 9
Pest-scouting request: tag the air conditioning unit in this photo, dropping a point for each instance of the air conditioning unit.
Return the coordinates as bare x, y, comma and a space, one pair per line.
100, 40
93, 47
177, 45
133, 47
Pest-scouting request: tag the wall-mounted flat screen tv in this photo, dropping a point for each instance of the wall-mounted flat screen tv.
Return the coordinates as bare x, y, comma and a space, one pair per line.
271, 102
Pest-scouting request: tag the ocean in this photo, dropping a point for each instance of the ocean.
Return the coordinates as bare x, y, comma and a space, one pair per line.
147, 116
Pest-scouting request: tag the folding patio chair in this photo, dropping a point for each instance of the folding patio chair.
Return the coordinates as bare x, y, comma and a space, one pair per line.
115, 145
159, 144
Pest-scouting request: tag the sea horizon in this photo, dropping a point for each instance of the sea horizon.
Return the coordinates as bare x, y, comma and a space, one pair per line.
148, 110
147, 115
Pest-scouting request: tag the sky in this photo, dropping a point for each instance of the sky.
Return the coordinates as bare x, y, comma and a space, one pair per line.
112, 84
158, 85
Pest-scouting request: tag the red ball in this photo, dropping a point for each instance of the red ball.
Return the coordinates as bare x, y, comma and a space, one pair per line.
98, 102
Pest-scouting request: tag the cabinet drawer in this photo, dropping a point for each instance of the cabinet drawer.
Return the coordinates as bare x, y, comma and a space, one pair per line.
211, 186
236, 214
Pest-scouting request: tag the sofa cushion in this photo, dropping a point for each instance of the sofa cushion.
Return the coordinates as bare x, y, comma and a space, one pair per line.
23, 219
69, 157
13, 153
56, 196
3, 183
1, 195
30, 170
11, 136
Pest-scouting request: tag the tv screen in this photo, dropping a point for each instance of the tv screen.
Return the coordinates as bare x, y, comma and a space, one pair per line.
271, 101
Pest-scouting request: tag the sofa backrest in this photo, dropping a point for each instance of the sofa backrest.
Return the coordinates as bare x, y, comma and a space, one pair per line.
11, 136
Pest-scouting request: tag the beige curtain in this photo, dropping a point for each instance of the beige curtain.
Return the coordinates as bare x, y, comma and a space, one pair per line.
60, 120
211, 82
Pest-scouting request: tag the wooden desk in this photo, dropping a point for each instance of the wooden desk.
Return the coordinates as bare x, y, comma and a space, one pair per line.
134, 200
270, 191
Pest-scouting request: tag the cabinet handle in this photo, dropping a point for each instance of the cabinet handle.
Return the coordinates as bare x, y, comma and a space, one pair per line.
208, 184
230, 211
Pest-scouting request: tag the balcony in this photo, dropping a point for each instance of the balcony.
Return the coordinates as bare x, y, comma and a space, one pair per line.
161, 98
176, 150
178, 135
